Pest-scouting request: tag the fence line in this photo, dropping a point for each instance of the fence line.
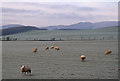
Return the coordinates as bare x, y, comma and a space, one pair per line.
111, 37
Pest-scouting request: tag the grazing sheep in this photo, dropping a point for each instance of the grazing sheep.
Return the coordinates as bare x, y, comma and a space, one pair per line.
52, 47
57, 48
25, 69
108, 52
46, 48
83, 57
35, 50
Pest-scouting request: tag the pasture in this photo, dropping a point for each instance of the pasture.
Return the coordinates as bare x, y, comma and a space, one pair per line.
108, 33
60, 64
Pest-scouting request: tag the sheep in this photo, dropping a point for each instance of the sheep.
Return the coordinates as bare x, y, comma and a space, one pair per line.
83, 57
108, 52
25, 69
35, 50
46, 48
57, 48
52, 47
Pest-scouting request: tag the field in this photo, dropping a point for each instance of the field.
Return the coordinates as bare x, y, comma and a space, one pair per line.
62, 64
108, 33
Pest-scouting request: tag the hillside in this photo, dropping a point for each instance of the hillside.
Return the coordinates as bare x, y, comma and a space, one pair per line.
11, 26
83, 25
15, 30
67, 34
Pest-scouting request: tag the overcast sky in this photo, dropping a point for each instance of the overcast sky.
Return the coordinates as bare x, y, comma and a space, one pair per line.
57, 13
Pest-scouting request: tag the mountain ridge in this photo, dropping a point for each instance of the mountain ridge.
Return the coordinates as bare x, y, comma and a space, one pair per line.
84, 25
77, 26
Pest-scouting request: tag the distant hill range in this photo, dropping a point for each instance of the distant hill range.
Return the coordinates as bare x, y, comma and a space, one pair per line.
20, 29
84, 25
16, 28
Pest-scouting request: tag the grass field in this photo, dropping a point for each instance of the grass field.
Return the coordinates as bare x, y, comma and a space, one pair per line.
62, 64
108, 33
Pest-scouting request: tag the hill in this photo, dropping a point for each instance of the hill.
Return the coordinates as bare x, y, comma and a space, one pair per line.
15, 30
83, 25
105, 24
11, 26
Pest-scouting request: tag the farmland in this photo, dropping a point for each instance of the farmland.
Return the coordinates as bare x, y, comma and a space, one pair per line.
109, 33
61, 64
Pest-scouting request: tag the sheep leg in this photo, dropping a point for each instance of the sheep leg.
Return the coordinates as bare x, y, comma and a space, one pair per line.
29, 72
82, 59
22, 73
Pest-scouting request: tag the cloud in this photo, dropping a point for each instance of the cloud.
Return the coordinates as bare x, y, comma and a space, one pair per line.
60, 0
54, 13
15, 11
11, 10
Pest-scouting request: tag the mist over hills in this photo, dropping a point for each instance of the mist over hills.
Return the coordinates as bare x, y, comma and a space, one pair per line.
84, 25
16, 28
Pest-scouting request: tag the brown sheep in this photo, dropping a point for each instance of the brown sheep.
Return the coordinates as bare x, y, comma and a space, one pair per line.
35, 50
52, 47
108, 52
25, 69
57, 48
83, 57
46, 48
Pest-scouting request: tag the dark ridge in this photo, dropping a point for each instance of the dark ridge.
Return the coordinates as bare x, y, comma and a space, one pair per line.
14, 30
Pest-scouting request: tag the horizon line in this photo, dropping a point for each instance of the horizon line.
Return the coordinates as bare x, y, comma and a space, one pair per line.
58, 24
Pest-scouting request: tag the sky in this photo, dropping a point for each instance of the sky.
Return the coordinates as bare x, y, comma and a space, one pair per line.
47, 13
